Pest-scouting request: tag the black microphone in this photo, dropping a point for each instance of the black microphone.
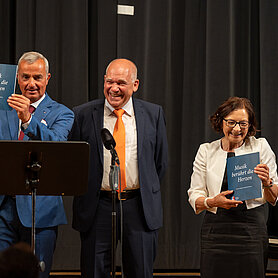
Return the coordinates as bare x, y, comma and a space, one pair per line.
109, 143
107, 139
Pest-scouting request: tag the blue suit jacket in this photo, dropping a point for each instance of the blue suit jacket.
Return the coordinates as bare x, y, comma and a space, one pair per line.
50, 122
152, 159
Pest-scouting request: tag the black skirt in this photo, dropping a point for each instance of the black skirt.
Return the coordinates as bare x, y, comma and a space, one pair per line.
234, 243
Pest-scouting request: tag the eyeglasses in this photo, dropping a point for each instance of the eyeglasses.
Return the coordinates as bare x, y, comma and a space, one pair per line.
232, 123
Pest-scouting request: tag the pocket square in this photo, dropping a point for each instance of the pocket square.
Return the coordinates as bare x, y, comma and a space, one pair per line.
44, 122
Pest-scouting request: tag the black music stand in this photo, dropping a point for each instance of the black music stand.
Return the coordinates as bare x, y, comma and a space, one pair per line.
43, 168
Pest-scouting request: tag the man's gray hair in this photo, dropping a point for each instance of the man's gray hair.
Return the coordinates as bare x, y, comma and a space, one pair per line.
31, 57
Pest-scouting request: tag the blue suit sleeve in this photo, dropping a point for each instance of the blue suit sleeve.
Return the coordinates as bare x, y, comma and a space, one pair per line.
54, 127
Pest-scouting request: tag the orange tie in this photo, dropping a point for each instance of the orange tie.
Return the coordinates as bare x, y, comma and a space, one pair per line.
119, 136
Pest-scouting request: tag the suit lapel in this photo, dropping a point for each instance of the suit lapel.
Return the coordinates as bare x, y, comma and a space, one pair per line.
97, 115
140, 123
44, 108
40, 113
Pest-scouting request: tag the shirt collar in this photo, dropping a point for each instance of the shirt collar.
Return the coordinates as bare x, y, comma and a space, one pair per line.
36, 103
128, 107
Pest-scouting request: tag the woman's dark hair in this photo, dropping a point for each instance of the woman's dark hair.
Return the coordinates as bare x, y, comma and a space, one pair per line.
230, 105
18, 261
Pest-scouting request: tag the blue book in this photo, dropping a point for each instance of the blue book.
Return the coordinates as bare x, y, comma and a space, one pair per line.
7, 84
241, 177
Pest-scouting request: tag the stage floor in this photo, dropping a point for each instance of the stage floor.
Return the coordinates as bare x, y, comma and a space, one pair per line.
157, 274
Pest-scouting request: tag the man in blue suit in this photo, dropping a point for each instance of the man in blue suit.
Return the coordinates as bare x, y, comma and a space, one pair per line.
35, 116
145, 164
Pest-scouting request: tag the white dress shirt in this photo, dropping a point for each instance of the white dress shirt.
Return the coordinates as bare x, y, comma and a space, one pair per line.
35, 105
131, 163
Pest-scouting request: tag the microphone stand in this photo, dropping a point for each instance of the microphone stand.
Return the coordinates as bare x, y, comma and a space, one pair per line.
32, 182
114, 184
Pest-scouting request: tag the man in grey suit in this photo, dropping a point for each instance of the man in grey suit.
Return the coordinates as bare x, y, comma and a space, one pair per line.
145, 165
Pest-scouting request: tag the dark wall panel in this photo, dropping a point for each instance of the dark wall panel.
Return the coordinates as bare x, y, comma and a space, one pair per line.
191, 55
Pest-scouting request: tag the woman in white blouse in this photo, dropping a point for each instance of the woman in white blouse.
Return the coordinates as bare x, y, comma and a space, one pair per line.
234, 237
